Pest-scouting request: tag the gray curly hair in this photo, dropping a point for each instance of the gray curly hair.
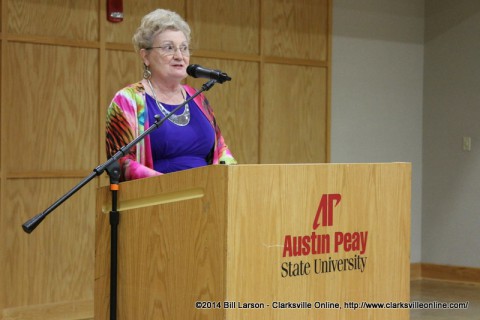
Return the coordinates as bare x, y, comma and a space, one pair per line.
156, 22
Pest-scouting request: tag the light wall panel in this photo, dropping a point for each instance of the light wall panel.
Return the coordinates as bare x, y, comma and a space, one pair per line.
52, 108
293, 114
226, 26
55, 262
3, 257
295, 29
1, 113
122, 69
69, 19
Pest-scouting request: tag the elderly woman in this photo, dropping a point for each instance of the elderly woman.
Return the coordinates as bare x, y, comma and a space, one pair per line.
190, 138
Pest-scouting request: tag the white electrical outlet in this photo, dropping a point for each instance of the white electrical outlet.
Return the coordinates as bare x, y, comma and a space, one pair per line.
467, 143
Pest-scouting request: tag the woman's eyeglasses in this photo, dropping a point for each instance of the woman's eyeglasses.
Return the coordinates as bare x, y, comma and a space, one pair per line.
170, 49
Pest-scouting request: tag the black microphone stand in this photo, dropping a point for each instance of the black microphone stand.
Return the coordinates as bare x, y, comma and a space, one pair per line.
112, 167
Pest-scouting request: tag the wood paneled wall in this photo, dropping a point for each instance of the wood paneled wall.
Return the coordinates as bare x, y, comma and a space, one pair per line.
62, 62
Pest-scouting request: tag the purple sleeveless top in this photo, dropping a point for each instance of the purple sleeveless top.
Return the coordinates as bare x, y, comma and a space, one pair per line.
176, 148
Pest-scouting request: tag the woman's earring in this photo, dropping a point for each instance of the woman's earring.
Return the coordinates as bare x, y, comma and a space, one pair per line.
147, 74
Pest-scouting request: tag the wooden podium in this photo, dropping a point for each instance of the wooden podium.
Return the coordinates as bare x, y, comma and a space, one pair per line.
296, 241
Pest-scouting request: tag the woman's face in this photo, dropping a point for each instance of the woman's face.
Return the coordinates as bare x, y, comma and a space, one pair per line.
169, 56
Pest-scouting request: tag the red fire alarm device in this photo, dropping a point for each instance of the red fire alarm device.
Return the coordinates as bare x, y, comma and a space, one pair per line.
115, 10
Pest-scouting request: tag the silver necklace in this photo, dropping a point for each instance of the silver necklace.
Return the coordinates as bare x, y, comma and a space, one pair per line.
181, 119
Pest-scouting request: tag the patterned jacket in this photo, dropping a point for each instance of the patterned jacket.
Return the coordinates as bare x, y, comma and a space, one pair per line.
127, 118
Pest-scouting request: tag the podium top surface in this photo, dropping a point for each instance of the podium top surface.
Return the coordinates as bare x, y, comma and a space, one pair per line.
195, 183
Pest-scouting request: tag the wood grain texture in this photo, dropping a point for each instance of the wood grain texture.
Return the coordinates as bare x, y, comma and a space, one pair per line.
122, 68
295, 29
293, 114
50, 108
415, 271
450, 273
71, 310
232, 26
54, 263
375, 197
68, 19
227, 245
158, 244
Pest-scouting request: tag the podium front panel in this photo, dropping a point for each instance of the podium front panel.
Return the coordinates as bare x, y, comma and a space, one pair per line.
261, 242
319, 241
170, 246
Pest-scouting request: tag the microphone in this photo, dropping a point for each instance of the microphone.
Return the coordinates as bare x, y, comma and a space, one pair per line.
196, 71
